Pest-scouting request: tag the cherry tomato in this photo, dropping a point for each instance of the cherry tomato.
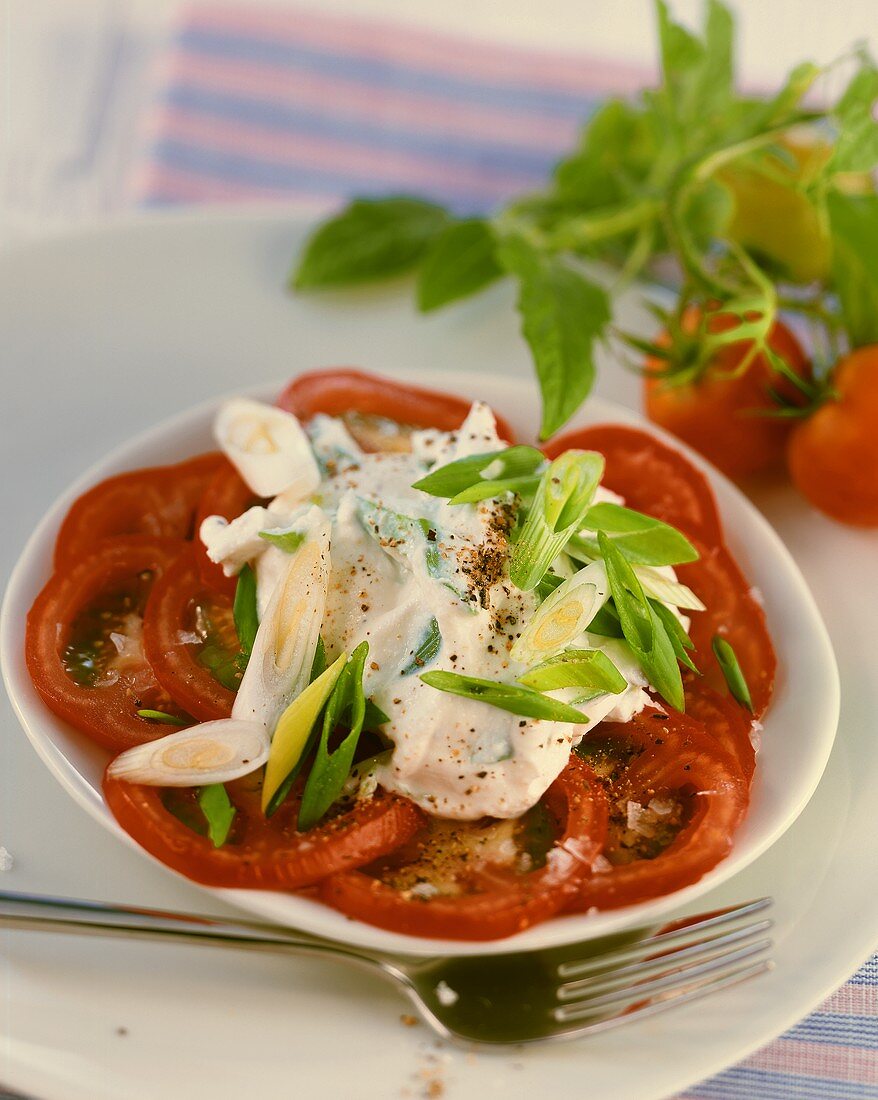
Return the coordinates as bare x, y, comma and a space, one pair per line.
260, 853
83, 643
357, 396
159, 501
715, 413
674, 756
492, 901
226, 495
652, 477
189, 638
733, 612
833, 455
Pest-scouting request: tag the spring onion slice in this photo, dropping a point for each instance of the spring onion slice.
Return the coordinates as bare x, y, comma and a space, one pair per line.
563, 615
293, 732
644, 631
514, 698
455, 478
562, 499
211, 752
641, 538
219, 813
731, 670
660, 587
283, 650
579, 668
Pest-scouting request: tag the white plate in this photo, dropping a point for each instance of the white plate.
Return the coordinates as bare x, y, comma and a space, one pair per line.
197, 309
799, 729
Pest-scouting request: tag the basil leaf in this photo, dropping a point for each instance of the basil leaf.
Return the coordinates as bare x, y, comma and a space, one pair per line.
459, 263
370, 239
640, 538
487, 490
586, 668
161, 716
464, 473
728, 662
854, 223
218, 812
564, 494
680, 640
643, 629
244, 610
288, 541
428, 647
329, 771
856, 142
509, 697
562, 314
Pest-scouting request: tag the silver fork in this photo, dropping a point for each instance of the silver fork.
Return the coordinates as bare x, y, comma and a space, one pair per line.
517, 997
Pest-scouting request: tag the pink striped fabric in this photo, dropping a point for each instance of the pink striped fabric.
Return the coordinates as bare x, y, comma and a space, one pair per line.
277, 104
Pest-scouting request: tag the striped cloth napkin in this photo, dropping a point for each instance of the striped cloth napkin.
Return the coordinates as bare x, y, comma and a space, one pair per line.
262, 104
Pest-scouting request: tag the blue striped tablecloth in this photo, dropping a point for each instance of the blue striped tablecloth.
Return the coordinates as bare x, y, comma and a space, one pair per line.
276, 104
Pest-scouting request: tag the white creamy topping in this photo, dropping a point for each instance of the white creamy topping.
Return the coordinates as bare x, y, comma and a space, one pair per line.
399, 560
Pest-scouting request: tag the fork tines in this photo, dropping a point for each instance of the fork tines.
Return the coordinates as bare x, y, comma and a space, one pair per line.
676, 965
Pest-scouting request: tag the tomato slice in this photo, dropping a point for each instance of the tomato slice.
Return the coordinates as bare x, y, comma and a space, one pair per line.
226, 495
495, 901
159, 501
83, 641
727, 722
190, 640
651, 476
675, 757
260, 853
734, 613
342, 391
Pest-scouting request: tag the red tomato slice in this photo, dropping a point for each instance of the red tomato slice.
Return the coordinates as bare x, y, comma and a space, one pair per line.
342, 390
226, 495
179, 609
732, 612
651, 476
83, 641
727, 722
676, 757
260, 853
159, 501
499, 902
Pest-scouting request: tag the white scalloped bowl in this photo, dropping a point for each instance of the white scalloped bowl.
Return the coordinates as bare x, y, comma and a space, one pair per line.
799, 727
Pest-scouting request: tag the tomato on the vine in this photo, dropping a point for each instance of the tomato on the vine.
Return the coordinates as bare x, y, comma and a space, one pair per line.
724, 411
833, 455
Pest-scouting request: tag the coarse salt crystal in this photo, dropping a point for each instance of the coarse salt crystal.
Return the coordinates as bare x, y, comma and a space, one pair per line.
6, 860
446, 995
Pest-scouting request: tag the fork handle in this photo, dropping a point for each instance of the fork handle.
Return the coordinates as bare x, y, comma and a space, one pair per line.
99, 919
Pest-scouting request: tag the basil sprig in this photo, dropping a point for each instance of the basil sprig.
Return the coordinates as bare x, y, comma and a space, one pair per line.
642, 539
564, 494
727, 660
463, 481
642, 627
218, 812
330, 770
515, 698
